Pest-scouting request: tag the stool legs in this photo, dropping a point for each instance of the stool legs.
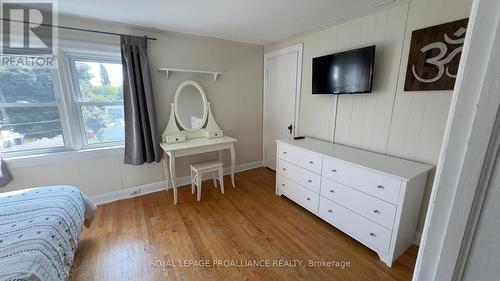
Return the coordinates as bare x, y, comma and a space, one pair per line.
214, 177
196, 179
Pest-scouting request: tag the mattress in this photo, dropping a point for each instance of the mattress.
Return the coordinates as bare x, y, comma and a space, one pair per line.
39, 231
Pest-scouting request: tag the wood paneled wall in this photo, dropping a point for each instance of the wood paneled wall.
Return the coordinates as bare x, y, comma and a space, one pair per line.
390, 121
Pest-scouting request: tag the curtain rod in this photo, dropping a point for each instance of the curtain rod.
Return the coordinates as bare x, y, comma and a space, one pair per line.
80, 29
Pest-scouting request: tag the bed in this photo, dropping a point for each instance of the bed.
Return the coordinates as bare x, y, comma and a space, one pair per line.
39, 232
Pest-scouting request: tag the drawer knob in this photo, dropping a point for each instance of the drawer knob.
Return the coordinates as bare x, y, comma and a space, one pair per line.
308, 199
330, 211
311, 162
284, 169
380, 186
332, 191
376, 211
309, 181
282, 184
334, 171
372, 234
284, 152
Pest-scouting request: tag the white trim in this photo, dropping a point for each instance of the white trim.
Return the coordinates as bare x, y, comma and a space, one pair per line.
298, 48
466, 143
121, 194
64, 156
160, 186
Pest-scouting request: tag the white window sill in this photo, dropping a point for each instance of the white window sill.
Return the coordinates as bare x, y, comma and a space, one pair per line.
64, 156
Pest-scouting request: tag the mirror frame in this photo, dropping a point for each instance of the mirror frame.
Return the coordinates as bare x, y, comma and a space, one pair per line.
176, 109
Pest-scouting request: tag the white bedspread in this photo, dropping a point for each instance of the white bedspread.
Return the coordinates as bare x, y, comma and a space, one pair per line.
39, 232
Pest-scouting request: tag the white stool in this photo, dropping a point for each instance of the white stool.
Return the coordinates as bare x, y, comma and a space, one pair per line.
197, 169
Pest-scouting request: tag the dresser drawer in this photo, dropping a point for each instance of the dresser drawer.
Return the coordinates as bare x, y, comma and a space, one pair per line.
300, 157
368, 206
299, 194
368, 232
299, 175
379, 185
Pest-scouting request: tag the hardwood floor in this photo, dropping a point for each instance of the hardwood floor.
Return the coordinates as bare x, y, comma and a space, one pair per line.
149, 238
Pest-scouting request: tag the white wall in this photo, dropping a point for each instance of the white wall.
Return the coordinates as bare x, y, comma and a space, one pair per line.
390, 121
236, 99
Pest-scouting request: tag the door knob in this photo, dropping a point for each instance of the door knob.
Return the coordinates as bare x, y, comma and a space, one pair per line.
290, 129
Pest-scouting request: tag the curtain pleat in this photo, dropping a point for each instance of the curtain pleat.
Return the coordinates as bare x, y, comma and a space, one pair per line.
141, 135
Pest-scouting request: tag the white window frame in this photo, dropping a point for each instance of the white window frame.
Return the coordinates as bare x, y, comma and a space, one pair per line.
59, 103
74, 136
82, 142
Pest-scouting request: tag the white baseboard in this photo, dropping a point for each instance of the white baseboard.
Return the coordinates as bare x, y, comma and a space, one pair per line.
159, 186
418, 237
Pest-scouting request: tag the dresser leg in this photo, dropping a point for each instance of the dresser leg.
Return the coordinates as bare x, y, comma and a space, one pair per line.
385, 258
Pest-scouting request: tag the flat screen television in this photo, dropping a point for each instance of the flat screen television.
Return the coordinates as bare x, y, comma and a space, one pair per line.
349, 72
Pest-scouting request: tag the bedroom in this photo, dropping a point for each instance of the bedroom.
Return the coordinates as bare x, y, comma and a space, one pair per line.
133, 106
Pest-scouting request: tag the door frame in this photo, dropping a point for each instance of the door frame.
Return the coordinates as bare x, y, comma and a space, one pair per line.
469, 146
298, 48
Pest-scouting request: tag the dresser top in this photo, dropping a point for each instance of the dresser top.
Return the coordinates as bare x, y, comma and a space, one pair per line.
391, 165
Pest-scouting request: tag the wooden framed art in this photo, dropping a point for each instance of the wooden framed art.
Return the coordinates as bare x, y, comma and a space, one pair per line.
434, 56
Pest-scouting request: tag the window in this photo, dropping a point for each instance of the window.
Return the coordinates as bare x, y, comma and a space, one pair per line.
99, 99
29, 110
37, 115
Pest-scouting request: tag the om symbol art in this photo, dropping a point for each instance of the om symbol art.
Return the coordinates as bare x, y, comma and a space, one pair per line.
441, 59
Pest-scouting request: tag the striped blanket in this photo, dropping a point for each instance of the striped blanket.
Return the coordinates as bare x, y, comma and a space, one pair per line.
39, 232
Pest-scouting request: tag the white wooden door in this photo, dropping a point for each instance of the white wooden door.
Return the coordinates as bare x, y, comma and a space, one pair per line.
282, 70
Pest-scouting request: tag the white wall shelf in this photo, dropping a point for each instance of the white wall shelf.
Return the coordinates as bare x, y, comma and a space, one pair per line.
167, 71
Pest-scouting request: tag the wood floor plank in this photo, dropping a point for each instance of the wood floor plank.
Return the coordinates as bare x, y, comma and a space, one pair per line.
149, 238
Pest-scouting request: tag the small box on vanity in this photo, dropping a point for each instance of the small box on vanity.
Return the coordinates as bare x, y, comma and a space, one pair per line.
175, 138
212, 134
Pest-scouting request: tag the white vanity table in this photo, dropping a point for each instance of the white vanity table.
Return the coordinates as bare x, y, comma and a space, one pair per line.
198, 133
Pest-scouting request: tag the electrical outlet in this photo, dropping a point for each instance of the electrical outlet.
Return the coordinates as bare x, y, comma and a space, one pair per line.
135, 192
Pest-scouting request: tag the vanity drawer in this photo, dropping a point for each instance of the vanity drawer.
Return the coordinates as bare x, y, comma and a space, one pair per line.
373, 235
368, 206
214, 134
176, 138
300, 157
301, 195
299, 175
379, 185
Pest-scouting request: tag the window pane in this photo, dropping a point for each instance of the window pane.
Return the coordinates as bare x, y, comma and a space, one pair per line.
99, 82
104, 123
25, 128
26, 85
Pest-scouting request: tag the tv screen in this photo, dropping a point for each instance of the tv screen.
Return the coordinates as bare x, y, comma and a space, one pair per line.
348, 72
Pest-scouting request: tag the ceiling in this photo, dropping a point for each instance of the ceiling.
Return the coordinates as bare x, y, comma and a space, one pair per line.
251, 21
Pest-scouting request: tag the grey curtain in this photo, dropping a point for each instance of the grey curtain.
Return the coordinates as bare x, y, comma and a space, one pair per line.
141, 135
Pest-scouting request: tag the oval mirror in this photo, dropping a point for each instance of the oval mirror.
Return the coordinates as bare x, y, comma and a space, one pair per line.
190, 106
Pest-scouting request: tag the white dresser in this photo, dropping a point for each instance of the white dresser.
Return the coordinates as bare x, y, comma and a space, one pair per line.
373, 198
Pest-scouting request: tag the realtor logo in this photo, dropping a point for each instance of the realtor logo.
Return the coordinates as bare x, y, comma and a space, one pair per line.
27, 27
